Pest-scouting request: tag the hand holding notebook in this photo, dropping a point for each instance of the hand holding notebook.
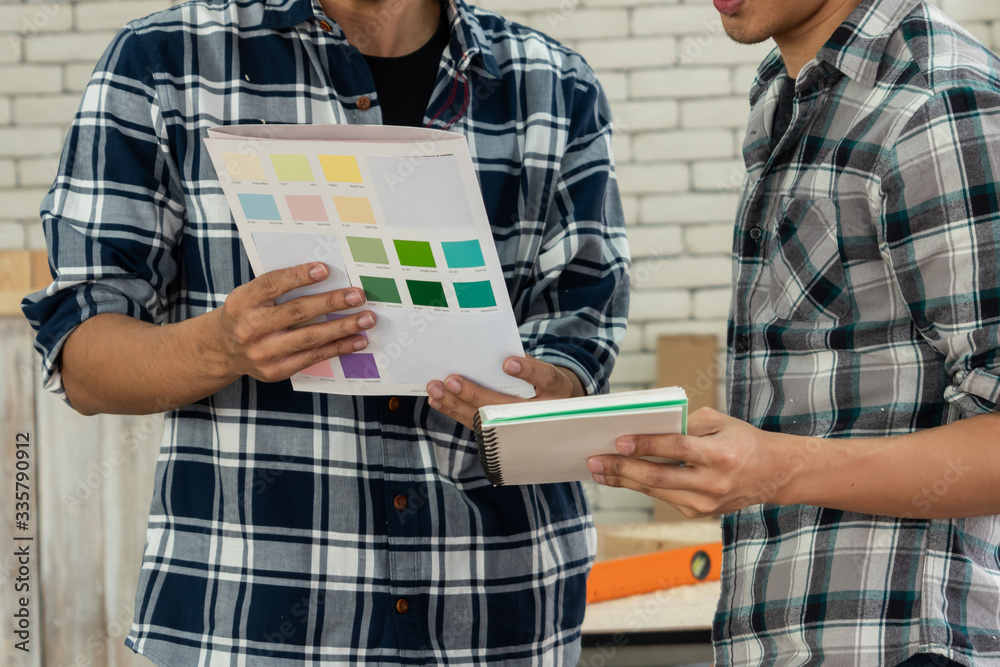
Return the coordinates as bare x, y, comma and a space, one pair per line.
541, 442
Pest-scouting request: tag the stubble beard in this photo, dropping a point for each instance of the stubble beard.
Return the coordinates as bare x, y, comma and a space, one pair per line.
741, 32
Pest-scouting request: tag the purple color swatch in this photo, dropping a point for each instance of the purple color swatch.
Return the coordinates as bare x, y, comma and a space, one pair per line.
359, 366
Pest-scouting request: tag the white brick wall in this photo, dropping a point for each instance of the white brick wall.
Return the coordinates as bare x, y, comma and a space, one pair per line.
678, 91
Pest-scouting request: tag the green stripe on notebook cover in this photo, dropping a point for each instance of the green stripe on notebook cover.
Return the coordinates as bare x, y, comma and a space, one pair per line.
623, 409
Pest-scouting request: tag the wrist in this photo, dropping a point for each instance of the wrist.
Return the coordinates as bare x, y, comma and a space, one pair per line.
576, 384
794, 468
210, 342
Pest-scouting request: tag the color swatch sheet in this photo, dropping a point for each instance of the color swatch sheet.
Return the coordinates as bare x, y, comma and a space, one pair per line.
395, 211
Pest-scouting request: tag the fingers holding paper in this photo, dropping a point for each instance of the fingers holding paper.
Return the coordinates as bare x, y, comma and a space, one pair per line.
460, 398
726, 465
271, 342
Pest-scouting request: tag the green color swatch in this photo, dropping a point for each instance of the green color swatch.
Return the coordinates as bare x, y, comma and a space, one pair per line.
415, 253
475, 295
380, 289
427, 293
292, 167
369, 251
463, 254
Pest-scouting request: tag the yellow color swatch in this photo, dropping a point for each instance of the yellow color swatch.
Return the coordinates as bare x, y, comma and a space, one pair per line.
354, 209
244, 167
340, 168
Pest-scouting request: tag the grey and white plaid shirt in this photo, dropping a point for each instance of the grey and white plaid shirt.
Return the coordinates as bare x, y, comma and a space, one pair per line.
867, 303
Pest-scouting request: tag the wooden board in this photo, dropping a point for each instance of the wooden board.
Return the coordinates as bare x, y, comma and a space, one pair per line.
98, 479
15, 279
684, 608
17, 416
21, 272
690, 362
636, 539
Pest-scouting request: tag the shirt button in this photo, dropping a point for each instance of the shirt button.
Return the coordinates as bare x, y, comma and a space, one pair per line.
400, 502
325, 27
364, 103
394, 404
756, 233
742, 343
402, 606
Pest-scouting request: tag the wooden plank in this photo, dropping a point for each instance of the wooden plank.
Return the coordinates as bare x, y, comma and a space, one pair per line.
684, 608
40, 274
17, 417
131, 445
15, 280
637, 539
73, 531
690, 362
21, 273
98, 480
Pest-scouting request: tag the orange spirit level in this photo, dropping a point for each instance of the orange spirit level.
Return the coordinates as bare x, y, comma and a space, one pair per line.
635, 575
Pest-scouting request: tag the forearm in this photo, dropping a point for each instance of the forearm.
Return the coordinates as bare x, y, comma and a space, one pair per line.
946, 472
113, 363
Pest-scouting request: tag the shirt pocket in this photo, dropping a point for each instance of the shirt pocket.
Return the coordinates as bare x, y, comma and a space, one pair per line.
807, 281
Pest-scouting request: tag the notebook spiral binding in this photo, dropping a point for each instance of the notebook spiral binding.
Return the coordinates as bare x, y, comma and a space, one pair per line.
489, 452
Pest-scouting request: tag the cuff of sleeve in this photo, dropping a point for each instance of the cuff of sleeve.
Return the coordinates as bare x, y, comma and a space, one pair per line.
559, 358
975, 392
56, 313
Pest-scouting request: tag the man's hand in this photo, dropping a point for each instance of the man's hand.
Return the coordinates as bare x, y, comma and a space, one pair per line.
460, 398
727, 465
266, 341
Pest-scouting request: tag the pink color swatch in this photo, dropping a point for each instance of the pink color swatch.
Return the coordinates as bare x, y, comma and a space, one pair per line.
323, 369
306, 208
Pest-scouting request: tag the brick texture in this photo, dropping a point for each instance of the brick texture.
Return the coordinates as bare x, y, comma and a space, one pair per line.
678, 91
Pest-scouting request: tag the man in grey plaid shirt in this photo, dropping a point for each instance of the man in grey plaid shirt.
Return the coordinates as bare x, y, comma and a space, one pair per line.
858, 467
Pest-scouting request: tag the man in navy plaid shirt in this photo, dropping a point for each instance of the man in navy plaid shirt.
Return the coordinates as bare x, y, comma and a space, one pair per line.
310, 528
859, 467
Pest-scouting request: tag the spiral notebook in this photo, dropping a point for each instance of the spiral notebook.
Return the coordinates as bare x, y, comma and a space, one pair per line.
542, 442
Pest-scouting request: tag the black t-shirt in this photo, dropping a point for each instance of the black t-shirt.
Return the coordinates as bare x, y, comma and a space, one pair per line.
783, 113
404, 84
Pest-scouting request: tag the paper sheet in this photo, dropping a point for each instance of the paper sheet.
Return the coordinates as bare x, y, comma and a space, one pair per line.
395, 211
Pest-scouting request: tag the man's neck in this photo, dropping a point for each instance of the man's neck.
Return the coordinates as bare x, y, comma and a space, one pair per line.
385, 28
800, 45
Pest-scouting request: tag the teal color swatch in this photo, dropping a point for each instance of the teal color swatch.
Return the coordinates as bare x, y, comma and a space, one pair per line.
463, 254
475, 295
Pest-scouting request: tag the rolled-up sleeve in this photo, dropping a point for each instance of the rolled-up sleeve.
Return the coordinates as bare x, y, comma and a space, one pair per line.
941, 230
576, 308
111, 219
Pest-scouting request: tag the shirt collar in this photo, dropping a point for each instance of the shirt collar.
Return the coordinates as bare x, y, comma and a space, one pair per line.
469, 45
855, 49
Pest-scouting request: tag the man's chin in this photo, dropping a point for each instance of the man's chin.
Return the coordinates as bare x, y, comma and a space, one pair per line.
739, 33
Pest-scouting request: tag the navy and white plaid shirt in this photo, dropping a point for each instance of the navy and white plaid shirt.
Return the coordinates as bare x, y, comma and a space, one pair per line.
866, 304
291, 525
